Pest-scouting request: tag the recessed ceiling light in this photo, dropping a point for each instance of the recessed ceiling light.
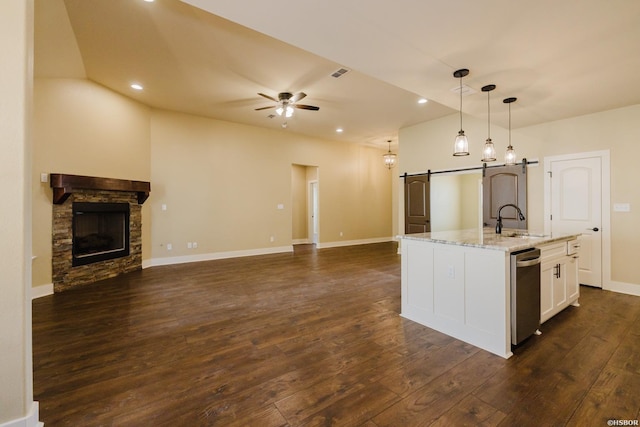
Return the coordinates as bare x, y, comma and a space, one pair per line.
136, 86
339, 130
149, 1
422, 101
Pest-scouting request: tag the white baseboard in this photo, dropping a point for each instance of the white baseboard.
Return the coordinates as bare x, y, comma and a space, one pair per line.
217, 255
29, 420
341, 243
301, 241
41, 291
623, 288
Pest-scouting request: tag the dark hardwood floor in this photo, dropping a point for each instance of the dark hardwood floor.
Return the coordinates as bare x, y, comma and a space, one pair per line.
315, 338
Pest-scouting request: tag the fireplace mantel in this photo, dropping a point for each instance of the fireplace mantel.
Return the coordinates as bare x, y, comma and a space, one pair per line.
63, 185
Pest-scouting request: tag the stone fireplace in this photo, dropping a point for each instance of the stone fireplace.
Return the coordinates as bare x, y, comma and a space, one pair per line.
97, 228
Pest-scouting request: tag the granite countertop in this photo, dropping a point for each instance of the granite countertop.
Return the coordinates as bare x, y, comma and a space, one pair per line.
510, 240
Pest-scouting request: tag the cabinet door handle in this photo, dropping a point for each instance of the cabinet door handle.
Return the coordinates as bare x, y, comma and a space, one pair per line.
557, 274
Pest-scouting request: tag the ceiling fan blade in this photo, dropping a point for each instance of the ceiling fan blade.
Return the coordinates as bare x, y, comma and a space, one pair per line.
298, 96
306, 107
268, 97
265, 108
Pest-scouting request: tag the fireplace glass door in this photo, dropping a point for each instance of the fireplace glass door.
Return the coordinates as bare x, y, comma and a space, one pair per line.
100, 232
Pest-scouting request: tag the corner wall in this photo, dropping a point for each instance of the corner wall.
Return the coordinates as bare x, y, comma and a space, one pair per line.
81, 128
17, 407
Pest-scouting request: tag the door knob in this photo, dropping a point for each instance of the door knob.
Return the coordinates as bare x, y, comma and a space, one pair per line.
594, 229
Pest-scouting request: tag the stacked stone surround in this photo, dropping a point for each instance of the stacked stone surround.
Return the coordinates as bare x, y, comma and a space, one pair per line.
65, 276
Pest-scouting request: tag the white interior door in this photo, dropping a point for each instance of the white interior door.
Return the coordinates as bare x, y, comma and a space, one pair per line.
576, 207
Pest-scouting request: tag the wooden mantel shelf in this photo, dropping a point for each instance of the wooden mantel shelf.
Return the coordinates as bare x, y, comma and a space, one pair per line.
63, 185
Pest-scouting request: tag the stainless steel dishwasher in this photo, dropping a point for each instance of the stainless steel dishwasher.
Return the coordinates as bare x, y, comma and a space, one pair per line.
525, 294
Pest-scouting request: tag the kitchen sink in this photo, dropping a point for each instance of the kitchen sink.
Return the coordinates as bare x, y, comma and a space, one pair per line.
523, 235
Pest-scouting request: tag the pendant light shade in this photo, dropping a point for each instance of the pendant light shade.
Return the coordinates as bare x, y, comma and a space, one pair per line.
510, 154
489, 151
389, 158
461, 144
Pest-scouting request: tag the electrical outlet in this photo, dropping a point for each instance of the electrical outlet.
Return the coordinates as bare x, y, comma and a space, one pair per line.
189, 245
169, 246
451, 272
163, 207
341, 234
195, 245
272, 239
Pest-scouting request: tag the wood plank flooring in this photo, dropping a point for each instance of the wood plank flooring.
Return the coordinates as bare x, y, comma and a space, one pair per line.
314, 338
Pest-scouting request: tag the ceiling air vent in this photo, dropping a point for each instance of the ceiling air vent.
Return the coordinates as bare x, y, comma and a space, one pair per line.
341, 72
466, 90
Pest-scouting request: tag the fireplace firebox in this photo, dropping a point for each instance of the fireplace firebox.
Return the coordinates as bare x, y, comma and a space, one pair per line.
100, 232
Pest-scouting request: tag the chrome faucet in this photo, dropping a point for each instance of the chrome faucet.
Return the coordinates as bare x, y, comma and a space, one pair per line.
499, 222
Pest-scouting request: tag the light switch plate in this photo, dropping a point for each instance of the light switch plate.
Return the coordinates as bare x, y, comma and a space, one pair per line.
44, 177
622, 207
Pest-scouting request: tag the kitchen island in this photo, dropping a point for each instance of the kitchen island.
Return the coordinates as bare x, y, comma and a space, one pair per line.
458, 282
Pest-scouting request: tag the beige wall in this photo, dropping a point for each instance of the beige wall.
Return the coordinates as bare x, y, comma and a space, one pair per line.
454, 201
222, 183
82, 128
16, 386
614, 130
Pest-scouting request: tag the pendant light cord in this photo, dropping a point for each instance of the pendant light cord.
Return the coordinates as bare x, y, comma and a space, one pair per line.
461, 103
488, 116
509, 125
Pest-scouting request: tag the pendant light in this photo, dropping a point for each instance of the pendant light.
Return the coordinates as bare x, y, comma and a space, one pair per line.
389, 158
489, 151
461, 145
510, 154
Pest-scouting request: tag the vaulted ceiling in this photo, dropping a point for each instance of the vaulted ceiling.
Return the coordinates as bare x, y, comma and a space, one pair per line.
212, 58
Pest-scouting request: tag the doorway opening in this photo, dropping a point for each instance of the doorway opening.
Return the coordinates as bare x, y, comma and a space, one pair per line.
305, 205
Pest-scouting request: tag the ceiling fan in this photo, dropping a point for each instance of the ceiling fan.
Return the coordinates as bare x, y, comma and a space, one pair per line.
286, 102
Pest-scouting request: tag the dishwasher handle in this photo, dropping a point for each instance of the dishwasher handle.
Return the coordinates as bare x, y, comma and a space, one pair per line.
528, 262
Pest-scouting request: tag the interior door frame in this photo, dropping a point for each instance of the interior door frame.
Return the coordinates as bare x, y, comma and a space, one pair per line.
313, 203
605, 163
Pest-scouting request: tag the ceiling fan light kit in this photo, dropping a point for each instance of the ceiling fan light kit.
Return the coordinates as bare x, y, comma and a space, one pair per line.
286, 103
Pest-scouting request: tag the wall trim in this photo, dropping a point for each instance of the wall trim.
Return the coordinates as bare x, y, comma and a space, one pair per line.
42, 291
623, 288
300, 241
29, 420
216, 255
341, 243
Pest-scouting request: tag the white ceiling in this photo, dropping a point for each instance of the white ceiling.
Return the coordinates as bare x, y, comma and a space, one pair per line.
559, 58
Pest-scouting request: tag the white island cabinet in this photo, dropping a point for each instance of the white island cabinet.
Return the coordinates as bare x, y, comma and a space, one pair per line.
458, 282
559, 285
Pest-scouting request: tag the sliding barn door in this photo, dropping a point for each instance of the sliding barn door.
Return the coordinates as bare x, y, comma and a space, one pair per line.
417, 216
500, 186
